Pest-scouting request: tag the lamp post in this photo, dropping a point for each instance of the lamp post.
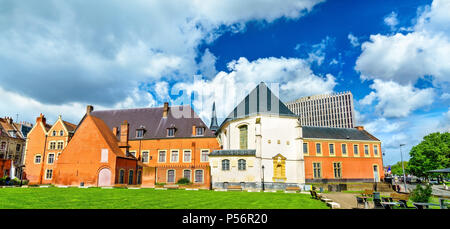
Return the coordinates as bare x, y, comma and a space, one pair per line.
403, 167
262, 177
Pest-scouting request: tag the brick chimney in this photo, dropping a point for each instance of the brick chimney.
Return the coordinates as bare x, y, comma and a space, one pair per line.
9, 120
89, 109
194, 130
42, 119
359, 127
166, 109
114, 130
124, 133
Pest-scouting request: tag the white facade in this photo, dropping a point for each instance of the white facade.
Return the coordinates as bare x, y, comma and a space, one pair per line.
269, 136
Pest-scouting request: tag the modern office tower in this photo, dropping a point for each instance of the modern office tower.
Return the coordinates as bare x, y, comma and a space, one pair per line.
332, 110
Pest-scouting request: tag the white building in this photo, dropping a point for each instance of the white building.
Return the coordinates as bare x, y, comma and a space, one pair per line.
334, 110
261, 144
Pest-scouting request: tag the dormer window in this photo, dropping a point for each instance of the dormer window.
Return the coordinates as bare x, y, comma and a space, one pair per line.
170, 132
199, 131
54, 133
61, 133
12, 133
139, 133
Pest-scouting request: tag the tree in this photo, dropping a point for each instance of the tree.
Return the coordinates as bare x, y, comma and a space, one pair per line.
396, 169
432, 153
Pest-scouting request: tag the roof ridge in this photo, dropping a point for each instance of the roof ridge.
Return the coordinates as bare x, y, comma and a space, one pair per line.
140, 108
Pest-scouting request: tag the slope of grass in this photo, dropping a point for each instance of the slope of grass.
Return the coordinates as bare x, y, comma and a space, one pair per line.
97, 198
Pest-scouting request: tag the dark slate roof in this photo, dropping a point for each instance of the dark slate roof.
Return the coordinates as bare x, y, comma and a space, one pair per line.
151, 119
235, 152
336, 133
260, 100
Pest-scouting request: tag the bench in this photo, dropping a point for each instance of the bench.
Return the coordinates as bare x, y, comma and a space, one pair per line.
292, 189
399, 196
314, 195
171, 186
334, 205
367, 192
326, 200
234, 187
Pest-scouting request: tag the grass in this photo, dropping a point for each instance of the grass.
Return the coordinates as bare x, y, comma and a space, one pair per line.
97, 198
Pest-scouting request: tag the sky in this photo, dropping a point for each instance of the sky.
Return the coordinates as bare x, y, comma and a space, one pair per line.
56, 57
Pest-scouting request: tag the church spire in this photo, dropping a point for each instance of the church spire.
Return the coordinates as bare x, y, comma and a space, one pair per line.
214, 127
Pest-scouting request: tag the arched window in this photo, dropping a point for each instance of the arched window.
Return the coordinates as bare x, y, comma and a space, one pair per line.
171, 176
130, 177
54, 133
139, 177
61, 133
243, 137
226, 164
242, 164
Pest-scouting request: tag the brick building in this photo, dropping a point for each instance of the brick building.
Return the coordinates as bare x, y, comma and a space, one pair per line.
44, 145
171, 142
12, 143
341, 155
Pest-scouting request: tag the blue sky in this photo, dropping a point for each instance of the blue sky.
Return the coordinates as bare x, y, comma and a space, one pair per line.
57, 57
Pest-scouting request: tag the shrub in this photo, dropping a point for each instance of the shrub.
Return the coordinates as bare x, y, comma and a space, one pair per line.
421, 195
183, 181
160, 183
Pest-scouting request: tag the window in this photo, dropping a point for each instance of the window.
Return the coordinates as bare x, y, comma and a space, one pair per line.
186, 156
54, 133
49, 174
52, 145
344, 149
171, 176
355, 149
337, 170
171, 132
3, 146
174, 156
130, 177
37, 159
51, 158
318, 148
61, 133
121, 176
145, 156
133, 153
331, 149
305, 148
104, 156
204, 155
199, 131
317, 167
225, 164
18, 147
241, 164
187, 174
366, 150
139, 133
243, 137
375, 150
139, 177
60, 145
162, 156
198, 176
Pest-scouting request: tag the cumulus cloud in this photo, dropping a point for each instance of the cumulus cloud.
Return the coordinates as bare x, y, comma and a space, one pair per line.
405, 58
395, 100
290, 78
61, 52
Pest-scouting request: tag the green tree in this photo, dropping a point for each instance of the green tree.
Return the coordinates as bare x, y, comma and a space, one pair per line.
396, 169
432, 153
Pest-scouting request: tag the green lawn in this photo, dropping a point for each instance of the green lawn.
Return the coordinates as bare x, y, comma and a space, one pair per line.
117, 198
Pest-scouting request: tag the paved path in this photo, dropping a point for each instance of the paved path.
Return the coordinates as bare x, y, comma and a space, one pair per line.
348, 200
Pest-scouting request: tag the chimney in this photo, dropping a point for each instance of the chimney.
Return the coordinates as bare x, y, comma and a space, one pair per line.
193, 130
359, 127
9, 120
89, 109
114, 130
41, 118
166, 109
124, 132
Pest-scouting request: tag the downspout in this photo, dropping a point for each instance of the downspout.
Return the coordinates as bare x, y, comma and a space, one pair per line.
43, 160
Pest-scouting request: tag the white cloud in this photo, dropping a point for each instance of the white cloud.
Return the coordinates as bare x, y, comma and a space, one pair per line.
292, 77
353, 40
405, 58
391, 20
62, 52
395, 100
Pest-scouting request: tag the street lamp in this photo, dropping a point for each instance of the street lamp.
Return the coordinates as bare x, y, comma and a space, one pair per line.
263, 177
403, 167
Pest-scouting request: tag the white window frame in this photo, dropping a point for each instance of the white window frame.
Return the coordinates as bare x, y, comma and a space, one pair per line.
307, 148
190, 155
356, 154
321, 149
159, 156
201, 155
46, 174
346, 150
334, 150
171, 155
148, 156
190, 174
195, 176
174, 176
48, 159
40, 158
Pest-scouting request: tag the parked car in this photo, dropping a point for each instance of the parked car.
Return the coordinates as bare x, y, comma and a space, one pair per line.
433, 181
